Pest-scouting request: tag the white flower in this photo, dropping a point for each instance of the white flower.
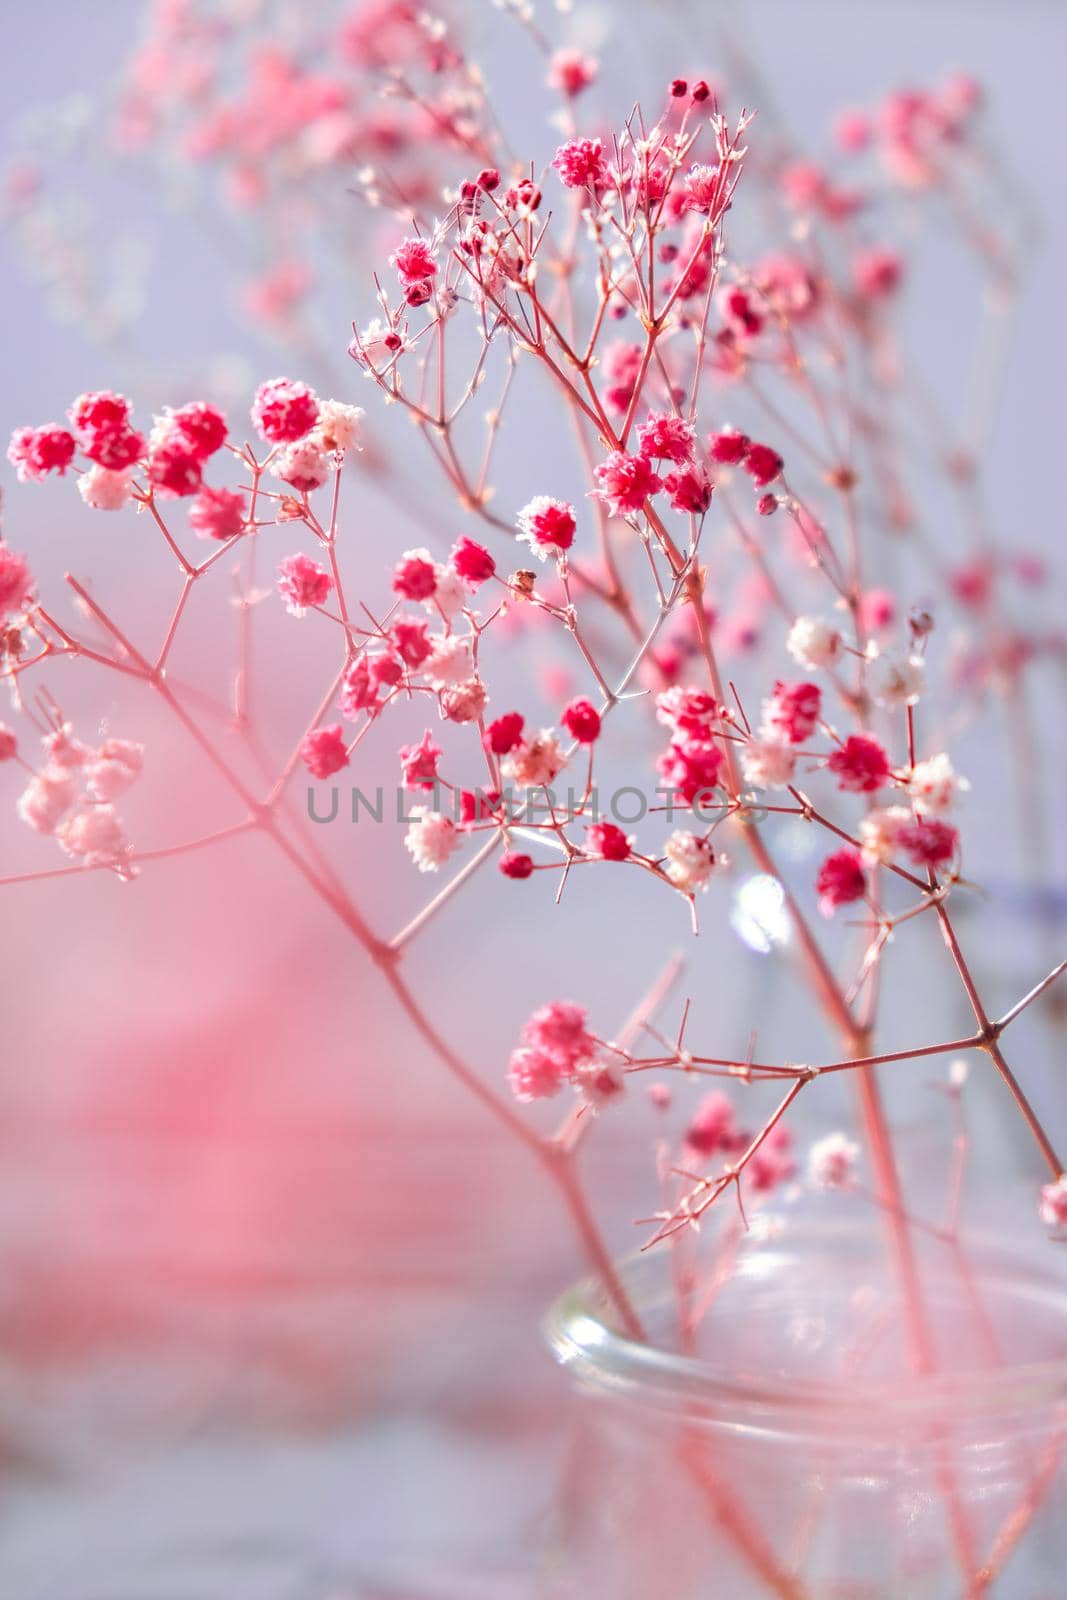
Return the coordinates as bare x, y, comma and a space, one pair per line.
813, 643
934, 785
598, 1082
895, 681
103, 489
431, 838
832, 1161
536, 761
879, 831
450, 594
690, 860
767, 764
303, 463
450, 661
338, 426
1053, 1206
371, 347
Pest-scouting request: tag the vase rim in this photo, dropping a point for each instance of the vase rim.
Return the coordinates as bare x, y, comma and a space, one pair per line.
584, 1338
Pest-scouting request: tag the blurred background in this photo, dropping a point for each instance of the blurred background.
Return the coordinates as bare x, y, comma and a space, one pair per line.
270, 1287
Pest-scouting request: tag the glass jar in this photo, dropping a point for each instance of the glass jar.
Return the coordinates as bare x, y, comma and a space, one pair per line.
783, 1444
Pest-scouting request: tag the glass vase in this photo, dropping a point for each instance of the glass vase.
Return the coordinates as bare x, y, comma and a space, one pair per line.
779, 1434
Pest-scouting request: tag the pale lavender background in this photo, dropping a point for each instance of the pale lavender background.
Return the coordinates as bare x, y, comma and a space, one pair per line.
351, 1415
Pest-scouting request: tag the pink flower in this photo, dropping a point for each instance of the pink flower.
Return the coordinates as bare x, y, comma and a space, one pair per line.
284, 409
664, 437
877, 610
570, 71
100, 411
841, 880
690, 490
547, 525
928, 841
860, 765
714, 1129
418, 763
504, 734
16, 583
534, 1075
729, 448
324, 751
303, 583
582, 721
411, 640
691, 769
792, 712
35, 452
464, 702
113, 768
879, 833
773, 1162
202, 428
876, 272
46, 799
580, 163
9, 745
537, 760
762, 464
218, 513
93, 834
304, 464
414, 262
688, 711
606, 840
1053, 1205
104, 490
359, 690
514, 864
625, 482
415, 575
116, 449
472, 561
559, 1030
172, 470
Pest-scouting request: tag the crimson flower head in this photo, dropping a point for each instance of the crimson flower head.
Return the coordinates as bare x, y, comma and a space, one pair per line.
607, 840
201, 426
582, 721
284, 409
472, 561
515, 864
415, 576
841, 880
547, 525
580, 163
664, 437
625, 482
762, 464
729, 448
928, 841
324, 752
502, 736
218, 513
860, 765
35, 452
